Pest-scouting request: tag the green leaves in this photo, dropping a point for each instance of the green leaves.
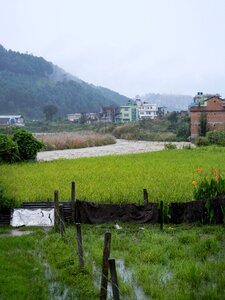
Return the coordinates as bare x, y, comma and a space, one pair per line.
210, 188
21, 146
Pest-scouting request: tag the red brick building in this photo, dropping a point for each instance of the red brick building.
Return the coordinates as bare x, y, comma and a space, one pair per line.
214, 110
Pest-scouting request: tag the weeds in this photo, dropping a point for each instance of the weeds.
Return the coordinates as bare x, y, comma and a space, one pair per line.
61, 141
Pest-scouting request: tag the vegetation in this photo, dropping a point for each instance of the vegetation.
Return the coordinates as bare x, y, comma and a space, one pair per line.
21, 146
215, 137
29, 83
167, 175
209, 186
182, 262
67, 140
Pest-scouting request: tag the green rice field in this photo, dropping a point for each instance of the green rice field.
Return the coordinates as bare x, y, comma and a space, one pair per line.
167, 175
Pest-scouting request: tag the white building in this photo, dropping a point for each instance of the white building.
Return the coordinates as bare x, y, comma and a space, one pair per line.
16, 120
148, 111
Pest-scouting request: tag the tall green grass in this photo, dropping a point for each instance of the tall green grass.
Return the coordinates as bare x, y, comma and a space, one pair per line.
167, 175
182, 262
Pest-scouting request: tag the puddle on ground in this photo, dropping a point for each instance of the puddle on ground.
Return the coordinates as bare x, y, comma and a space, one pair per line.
16, 232
57, 291
126, 276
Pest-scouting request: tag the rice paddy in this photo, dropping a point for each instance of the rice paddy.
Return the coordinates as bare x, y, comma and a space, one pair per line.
167, 175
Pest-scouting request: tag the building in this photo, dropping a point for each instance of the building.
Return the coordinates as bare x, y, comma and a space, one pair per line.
110, 113
83, 117
210, 106
129, 112
74, 117
162, 112
8, 120
148, 111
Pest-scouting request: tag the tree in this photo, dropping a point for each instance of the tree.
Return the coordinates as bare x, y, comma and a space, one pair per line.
50, 110
203, 126
83, 118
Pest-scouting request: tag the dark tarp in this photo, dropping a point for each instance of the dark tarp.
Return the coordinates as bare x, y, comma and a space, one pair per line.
93, 213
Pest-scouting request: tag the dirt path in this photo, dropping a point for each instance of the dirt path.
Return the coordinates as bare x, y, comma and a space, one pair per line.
121, 147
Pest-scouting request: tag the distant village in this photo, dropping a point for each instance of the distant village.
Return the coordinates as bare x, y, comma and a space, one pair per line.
134, 110
209, 106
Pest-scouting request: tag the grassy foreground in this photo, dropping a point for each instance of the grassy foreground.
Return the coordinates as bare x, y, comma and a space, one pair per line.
167, 175
182, 262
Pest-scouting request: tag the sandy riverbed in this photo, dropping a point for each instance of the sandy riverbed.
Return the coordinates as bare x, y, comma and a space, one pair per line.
121, 147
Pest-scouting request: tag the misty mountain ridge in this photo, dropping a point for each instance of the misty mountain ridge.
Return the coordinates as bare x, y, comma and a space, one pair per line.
29, 83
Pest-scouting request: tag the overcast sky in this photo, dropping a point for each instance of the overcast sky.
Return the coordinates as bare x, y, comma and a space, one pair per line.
130, 46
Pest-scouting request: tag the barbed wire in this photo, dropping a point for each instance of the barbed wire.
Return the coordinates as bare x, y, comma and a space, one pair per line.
67, 240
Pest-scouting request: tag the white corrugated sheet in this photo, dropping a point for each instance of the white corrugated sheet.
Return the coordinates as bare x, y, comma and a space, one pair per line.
32, 217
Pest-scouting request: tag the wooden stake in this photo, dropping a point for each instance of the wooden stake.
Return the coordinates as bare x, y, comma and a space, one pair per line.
161, 215
105, 266
56, 210
113, 274
145, 194
73, 200
61, 222
79, 245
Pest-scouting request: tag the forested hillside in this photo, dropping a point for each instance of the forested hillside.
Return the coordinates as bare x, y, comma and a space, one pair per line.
29, 83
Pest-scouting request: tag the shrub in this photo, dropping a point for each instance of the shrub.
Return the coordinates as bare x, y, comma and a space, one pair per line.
126, 131
8, 149
216, 137
28, 145
170, 146
201, 141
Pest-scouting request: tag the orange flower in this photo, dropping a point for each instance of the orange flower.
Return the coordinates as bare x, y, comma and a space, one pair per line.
199, 170
215, 172
194, 183
217, 177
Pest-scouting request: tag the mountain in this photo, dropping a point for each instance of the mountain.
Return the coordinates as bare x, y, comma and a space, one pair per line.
29, 83
172, 102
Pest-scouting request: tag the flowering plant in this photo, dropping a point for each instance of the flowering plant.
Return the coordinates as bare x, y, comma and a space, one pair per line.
209, 187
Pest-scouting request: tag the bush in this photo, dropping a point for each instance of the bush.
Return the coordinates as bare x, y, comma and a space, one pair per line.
216, 137
28, 146
170, 146
201, 141
8, 149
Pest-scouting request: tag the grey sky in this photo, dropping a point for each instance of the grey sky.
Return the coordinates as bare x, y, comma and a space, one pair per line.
131, 46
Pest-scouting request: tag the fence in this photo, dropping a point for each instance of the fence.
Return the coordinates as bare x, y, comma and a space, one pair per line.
203, 211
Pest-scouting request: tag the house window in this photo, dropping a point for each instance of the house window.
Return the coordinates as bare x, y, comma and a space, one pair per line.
126, 115
126, 108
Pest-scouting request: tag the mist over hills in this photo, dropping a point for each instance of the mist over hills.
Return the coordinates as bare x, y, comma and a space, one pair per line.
172, 102
28, 83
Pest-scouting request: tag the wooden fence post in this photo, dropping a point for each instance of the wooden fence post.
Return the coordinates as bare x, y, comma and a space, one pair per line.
61, 222
73, 200
145, 194
79, 245
113, 274
56, 210
105, 266
161, 215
